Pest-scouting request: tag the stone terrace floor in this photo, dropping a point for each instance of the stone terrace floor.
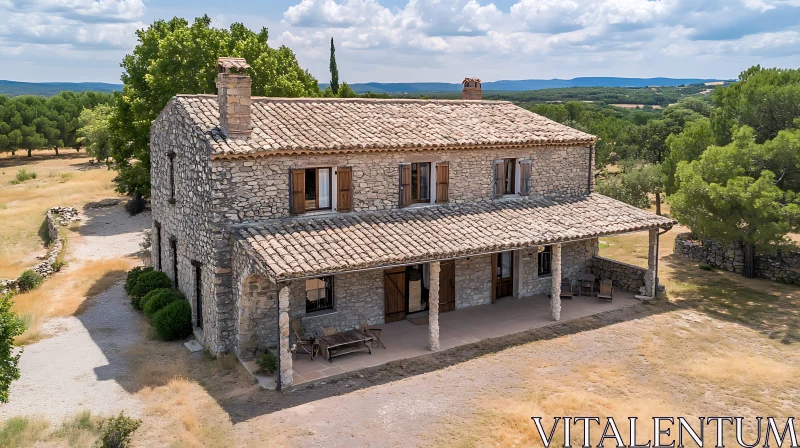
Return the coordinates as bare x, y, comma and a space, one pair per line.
404, 339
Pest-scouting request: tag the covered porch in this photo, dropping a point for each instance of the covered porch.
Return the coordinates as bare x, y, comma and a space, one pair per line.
404, 339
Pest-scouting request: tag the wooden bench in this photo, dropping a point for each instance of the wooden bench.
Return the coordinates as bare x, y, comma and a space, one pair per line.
351, 341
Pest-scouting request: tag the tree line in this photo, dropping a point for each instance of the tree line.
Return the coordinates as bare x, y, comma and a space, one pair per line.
31, 122
729, 165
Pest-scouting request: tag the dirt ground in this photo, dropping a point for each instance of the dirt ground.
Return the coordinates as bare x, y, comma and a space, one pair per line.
721, 344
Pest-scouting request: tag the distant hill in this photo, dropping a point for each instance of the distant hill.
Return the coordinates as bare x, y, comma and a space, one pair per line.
524, 84
14, 88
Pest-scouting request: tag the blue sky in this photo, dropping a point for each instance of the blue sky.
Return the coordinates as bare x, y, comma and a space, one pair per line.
425, 40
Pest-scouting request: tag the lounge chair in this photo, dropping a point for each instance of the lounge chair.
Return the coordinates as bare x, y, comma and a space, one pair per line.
606, 290
304, 345
566, 289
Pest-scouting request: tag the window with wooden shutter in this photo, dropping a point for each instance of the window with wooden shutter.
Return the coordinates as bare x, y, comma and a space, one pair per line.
499, 178
442, 182
525, 177
405, 185
344, 187
297, 184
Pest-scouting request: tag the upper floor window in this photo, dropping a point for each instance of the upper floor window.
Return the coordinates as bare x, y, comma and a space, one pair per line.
319, 294
316, 189
171, 156
511, 176
421, 183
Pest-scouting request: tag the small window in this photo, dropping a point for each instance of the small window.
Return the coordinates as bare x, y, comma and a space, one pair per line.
545, 254
318, 189
171, 156
505, 177
421, 182
319, 294
510, 175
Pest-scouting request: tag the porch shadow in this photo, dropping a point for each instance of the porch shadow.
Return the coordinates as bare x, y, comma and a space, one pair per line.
243, 408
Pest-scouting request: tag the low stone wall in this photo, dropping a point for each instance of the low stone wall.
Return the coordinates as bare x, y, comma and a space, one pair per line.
54, 216
782, 267
626, 277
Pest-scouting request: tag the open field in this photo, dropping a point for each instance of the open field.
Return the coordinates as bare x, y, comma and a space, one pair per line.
66, 180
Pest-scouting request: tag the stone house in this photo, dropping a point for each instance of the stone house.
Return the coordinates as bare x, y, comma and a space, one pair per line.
327, 210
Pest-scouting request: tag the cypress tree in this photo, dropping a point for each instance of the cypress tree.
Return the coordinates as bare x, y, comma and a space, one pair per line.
334, 70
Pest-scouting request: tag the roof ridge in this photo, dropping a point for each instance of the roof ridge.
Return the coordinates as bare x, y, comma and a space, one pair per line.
305, 99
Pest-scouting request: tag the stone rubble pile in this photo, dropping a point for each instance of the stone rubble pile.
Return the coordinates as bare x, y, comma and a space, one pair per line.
55, 216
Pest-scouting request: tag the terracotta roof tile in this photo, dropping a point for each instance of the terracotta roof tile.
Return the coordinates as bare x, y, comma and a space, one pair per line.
324, 124
290, 248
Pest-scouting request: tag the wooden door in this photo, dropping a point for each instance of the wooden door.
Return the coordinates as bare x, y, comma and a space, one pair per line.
447, 286
395, 289
503, 278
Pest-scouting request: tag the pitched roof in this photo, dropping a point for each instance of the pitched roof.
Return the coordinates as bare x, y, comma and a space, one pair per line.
329, 124
291, 248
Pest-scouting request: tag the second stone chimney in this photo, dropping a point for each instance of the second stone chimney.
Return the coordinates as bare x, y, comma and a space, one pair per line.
472, 89
233, 96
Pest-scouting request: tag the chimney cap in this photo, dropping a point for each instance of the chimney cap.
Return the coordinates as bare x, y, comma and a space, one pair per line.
468, 80
232, 65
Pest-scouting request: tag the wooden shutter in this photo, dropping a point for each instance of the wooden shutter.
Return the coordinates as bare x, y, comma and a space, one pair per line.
297, 184
344, 188
405, 184
525, 177
495, 262
499, 178
442, 182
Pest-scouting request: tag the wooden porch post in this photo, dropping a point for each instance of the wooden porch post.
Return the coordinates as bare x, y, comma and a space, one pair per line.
652, 259
284, 349
433, 307
555, 288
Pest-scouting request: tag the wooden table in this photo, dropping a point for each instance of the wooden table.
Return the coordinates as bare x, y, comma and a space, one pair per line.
350, 341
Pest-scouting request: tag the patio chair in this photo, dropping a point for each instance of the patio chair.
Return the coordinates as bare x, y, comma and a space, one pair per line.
364, 325
566, 289
586, 282
305, 345
606, 290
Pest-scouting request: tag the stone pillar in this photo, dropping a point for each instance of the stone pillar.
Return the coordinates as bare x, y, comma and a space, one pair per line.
284, 349
652, 259
433, 307
555, 288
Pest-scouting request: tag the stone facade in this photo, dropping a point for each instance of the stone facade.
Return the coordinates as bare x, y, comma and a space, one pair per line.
782, 267
626, 277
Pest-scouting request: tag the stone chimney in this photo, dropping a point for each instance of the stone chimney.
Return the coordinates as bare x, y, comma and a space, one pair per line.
233, 95
472, 89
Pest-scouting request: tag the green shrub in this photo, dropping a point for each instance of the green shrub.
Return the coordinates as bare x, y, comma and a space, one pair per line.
267, 362
23, 175
157, 299
133, 275
147, 282
705, 267
29, 280
58, 265
116, 432
174, 321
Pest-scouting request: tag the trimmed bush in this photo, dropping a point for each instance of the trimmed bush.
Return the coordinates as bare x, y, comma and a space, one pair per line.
267, 362
29, 280
147, 282
157, 299
133, 275
116, 432
174, 321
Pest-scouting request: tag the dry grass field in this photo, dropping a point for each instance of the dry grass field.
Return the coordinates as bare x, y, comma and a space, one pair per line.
67, 179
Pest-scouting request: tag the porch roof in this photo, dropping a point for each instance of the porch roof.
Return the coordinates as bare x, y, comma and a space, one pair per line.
334, 243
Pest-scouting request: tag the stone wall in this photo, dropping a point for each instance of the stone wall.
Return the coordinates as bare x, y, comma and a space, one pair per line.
473, 281
190, 218
782, 267
626, 277
53, 217
576, 259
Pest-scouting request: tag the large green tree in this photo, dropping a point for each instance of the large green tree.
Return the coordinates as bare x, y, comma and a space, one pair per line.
767, 100
177, 57
739, 193
11, 326
695, 138
95, 133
